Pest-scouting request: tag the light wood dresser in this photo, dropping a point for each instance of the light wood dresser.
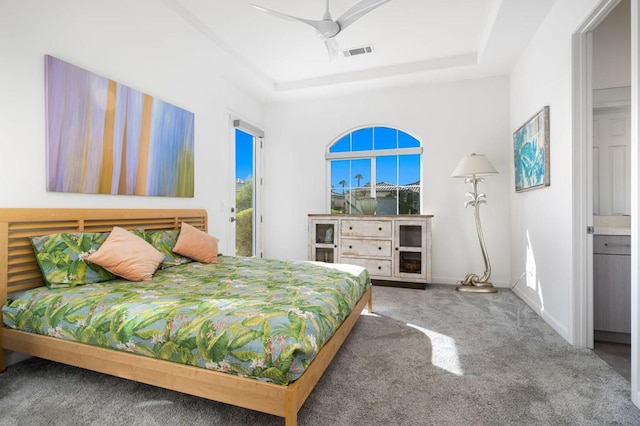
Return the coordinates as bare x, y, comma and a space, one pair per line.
395, 249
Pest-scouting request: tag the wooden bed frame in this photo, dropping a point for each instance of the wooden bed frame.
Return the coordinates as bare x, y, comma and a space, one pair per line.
19, 271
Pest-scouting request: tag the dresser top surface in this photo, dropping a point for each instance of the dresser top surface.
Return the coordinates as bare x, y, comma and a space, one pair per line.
370, 216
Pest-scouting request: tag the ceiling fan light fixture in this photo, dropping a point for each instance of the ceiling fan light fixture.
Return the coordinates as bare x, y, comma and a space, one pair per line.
327, 28
356, 51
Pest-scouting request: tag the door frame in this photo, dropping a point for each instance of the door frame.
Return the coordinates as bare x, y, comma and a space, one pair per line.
635, 203
258, 184
581, 308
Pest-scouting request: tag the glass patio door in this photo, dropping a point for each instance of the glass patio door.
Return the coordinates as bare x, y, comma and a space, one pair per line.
246, 215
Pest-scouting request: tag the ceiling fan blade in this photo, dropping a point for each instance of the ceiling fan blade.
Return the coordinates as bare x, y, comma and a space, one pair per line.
332, 47
279, 14
357, 11
324, 28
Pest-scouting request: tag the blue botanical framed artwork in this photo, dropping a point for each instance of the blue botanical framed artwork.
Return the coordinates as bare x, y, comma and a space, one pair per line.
531, 152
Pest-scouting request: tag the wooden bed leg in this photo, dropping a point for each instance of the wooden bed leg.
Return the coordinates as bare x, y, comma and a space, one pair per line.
370, 303
290, 411
291, 420
3, 359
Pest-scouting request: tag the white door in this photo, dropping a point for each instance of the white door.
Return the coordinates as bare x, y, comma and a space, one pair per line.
245, 215
612, 161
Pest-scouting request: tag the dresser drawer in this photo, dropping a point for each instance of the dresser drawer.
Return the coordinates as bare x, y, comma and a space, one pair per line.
368, 228
612, 244
353, 247
375, 267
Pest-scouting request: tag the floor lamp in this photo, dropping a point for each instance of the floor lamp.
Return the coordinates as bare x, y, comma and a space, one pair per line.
470, 168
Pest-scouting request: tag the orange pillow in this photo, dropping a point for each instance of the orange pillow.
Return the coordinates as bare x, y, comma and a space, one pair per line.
127, 256
196, 244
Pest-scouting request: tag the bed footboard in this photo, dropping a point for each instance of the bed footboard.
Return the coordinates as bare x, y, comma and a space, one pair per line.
278, 400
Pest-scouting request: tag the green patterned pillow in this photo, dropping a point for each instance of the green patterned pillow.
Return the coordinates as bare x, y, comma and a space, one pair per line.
62, 258
139, 232
164, 241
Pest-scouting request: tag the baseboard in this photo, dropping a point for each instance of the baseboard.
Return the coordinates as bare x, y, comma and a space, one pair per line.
549, 319
612, 336
456, 281
403, 284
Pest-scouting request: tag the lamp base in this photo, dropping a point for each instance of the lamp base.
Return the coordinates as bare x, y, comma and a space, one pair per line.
485, 287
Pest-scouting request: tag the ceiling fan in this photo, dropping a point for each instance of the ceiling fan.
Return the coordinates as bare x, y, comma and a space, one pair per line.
327, 28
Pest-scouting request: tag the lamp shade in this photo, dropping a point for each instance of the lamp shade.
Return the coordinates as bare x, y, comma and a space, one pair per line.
474, 165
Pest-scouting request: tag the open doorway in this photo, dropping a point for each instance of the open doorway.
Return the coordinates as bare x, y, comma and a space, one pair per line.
611, 188
583, 179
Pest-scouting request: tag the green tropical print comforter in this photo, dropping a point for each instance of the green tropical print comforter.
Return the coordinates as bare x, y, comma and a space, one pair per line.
257, 318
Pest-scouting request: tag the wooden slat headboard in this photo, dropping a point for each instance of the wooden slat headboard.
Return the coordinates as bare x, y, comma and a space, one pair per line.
18, 267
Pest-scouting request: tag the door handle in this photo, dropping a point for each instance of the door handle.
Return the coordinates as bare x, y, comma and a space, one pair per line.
232, 219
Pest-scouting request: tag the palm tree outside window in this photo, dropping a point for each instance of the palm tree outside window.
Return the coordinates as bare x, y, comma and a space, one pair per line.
380, 162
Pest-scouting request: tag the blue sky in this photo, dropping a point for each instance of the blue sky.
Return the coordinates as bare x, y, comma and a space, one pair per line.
397, 170
244, 155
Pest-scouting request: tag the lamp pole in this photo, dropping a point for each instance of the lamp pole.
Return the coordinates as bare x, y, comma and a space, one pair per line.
472, 282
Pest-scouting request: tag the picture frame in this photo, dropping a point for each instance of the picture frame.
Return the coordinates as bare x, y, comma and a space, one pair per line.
107, 138
531, 152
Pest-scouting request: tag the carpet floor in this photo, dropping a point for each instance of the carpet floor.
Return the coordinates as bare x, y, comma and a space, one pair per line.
424, 357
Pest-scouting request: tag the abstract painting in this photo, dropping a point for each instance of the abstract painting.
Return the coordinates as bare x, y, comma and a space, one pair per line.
107, 138
531, 152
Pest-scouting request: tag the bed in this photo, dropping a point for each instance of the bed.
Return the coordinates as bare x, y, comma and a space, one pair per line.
20, 272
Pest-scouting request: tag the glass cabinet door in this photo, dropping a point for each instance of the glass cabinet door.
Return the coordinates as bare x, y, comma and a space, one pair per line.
323, 240
410, 251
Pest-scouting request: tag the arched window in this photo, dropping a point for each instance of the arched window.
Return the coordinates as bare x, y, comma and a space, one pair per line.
379, 162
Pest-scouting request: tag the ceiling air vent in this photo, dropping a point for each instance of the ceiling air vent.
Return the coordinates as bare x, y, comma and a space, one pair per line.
357, 51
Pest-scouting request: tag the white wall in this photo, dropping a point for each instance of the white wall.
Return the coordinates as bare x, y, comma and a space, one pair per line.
451, 121
542, 219
142, 44
612, 49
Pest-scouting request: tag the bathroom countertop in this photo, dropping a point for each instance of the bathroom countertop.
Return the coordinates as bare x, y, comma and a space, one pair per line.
611, 230
612, 225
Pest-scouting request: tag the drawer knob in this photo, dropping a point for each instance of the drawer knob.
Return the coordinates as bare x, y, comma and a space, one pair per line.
350, 246
380, 229
379, 248
379, 267
351, 227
